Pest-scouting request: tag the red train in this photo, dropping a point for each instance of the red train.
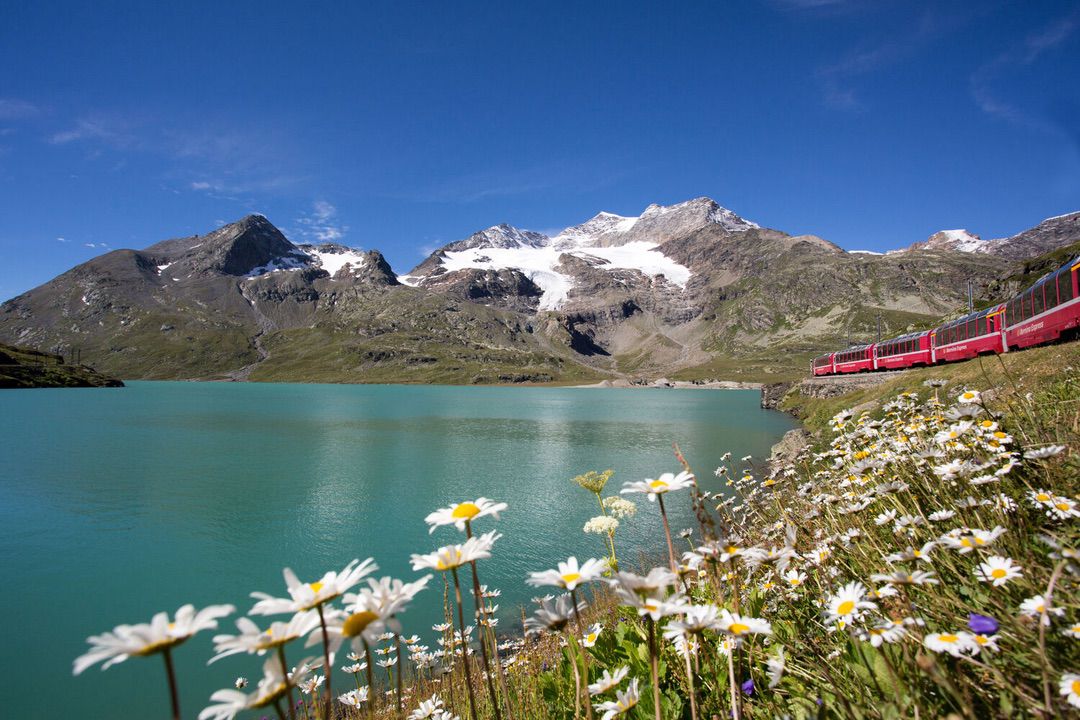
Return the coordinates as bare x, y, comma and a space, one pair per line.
1041, 314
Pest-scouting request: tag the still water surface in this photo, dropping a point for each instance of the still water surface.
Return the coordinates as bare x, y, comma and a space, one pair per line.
115, 504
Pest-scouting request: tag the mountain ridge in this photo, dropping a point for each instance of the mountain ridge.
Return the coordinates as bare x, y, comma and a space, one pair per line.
687, 288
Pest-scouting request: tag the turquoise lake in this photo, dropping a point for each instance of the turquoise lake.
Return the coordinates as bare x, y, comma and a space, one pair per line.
116, 504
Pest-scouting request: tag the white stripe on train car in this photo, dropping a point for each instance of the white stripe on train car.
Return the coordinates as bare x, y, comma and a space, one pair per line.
977, 337
913, 352
1044, 313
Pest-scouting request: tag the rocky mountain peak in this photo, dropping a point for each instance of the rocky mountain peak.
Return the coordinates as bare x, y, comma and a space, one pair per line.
1048, 235
956, 240
233, 249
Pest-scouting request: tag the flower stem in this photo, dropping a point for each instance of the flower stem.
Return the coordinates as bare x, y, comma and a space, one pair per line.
690, 684
288, 685
734, 687
584, 654
401, 671
481, 617
172, 683
327, 669
370, 679
654, 665
667, 534
464, 644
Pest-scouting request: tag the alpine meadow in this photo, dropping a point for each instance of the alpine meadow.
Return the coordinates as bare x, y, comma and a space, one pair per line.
493, 361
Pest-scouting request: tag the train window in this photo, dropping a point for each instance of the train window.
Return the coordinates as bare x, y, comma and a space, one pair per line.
1051, 292
1065, 286
1037, 300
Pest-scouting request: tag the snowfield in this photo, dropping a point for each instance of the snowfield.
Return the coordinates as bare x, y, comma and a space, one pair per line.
540, 264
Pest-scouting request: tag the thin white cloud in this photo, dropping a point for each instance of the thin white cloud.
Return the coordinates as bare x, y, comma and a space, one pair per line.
60, 239
321, 224
984, 80
15, 109
560, 175
100, 130
840, 80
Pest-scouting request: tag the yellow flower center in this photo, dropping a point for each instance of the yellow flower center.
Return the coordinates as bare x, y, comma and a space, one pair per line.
591, 637
1042, 497
315, 587
1063, 507
738, 628
357, 623
948, 638
1000, 435
845, 607
452, 561
1075, 687
465, 511
795, 581
158, 646
997, 573
982, 639
571, 577
657, 484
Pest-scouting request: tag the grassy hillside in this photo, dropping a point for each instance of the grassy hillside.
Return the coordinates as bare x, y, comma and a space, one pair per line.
1005, 378
25, 368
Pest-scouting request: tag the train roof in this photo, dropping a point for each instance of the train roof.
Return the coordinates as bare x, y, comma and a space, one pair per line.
908, 336
971, 316
856, 347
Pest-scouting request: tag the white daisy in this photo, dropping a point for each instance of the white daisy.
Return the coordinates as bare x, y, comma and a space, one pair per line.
608, 680
848, 604
1069, 687
149, 638
998, 570
1035, 607
464, 512
623, 701
355, 698
664, 484
454, 556
569, 574
955, 644
306, 596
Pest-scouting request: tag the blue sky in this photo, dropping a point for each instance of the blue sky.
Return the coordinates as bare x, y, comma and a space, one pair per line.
402, 126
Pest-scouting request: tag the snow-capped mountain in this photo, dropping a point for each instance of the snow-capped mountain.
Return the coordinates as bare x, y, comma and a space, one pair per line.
1046, 236
958, 240
678, 286
606, 241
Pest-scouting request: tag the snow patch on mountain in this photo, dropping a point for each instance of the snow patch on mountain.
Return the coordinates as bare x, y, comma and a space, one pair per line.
960, 240
333, 258
328, 256
540, 264
587, 232
294, 260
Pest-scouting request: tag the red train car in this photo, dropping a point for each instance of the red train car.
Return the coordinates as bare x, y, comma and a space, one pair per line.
823, 365
1046, 310
974, 334
859, 358
905, 351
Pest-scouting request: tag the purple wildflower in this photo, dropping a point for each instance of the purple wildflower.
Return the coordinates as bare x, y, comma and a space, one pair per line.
982, 624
